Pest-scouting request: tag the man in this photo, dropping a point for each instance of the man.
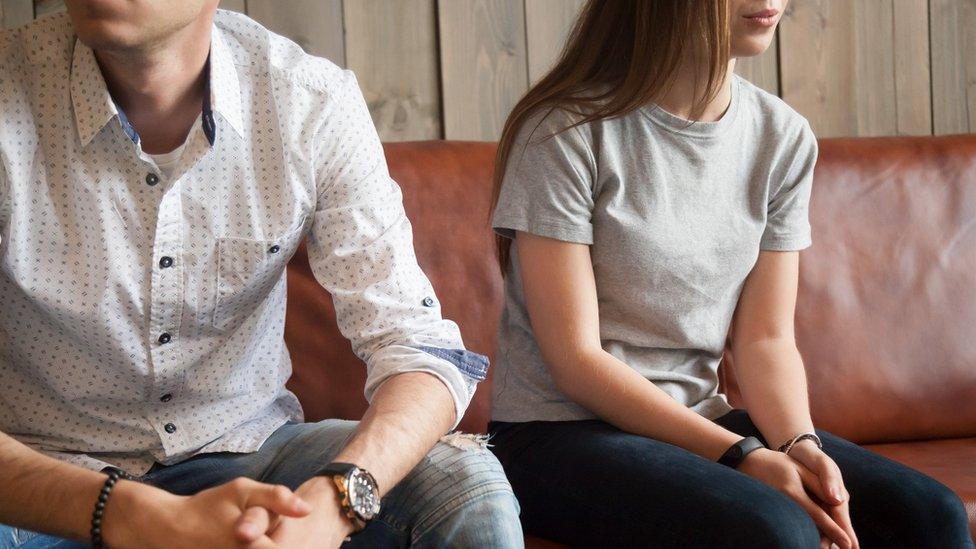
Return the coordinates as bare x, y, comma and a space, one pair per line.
159, 165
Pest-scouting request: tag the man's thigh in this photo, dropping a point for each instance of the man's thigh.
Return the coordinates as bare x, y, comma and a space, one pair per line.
11, 538
291, 455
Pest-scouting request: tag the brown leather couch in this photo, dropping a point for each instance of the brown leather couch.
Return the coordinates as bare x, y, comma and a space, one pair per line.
886, 317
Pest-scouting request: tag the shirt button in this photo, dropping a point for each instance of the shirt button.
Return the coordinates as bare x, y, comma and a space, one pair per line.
151, 179
166, 398
165, 338
166, 262
170, 428
428, 302
274, 249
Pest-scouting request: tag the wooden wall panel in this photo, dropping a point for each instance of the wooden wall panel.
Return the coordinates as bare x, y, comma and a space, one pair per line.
762, 70
454, 68
14, 13
483, 65
838, 64
547, 24
392, 47
953, 65
316, 25
234, 5
44, 7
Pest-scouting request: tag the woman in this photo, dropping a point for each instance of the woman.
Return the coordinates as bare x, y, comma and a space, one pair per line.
645, 196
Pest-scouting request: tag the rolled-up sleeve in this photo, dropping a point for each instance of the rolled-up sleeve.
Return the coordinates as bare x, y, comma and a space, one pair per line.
361, 250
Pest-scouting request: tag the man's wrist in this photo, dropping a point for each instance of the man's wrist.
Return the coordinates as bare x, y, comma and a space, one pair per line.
129, 501
321, 492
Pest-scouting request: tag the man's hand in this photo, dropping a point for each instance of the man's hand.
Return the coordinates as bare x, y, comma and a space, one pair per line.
794, 479
224, 516
325, 527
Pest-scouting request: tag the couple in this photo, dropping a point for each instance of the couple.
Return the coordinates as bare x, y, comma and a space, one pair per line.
159, 164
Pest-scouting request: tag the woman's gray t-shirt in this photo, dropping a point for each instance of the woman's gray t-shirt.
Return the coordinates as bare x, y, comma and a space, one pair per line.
675, 214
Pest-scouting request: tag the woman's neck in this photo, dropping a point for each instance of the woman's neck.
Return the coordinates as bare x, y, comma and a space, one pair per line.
689, 86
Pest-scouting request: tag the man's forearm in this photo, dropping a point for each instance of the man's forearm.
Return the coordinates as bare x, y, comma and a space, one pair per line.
408, 415
40, 493
774, 386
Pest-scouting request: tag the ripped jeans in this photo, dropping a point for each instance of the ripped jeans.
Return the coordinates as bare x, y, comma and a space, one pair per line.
457, 496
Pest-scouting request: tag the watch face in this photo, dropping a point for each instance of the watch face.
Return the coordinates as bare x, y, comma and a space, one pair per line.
363, 494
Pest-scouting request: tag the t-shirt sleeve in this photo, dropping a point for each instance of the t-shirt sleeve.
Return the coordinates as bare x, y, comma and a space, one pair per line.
547, 189
787, 213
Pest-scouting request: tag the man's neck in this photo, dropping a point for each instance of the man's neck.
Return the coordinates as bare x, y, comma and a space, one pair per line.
688, 86
160, 87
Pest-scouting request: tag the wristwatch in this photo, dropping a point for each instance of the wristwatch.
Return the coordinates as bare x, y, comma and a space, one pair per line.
358, 492
736, 453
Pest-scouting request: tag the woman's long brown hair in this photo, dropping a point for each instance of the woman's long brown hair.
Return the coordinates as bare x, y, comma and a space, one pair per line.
620, 56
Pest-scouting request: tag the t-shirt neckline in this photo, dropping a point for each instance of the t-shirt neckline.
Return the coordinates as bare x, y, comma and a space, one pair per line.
676, 124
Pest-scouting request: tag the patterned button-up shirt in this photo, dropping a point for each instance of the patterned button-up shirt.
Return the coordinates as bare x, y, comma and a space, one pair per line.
142, 316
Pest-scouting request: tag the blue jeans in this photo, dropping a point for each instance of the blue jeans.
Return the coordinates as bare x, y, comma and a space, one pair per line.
588, 484
454, 498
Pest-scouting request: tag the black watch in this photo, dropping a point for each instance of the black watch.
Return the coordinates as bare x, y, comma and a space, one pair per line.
358, 492
737, 452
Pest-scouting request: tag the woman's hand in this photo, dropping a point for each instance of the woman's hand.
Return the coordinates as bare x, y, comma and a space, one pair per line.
831, 483
796, 480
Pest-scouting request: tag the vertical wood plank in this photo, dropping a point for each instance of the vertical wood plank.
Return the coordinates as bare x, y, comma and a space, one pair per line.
483, 65
392, 47
816, 65
913, 75
953, 46
851, 68
14, 13
762, 70
547, 25
45, 7
316, 25
233, 5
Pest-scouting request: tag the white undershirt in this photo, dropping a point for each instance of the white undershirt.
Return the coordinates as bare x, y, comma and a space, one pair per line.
167, 161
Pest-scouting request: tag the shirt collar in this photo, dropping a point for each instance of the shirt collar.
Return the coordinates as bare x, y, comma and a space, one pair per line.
94, 108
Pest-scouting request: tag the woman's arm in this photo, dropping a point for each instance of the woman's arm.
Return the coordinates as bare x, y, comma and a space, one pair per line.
767, 363
770, 372
560, 295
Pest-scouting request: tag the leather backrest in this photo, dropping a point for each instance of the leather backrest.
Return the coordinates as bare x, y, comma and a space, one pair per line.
886, 316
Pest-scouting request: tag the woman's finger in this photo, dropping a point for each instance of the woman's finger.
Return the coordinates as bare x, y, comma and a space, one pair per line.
824, 522
842, 516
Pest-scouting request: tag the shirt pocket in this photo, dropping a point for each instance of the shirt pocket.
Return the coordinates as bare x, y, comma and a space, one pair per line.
248, 271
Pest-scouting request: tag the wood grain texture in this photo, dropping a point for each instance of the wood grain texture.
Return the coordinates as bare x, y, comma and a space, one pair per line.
762, 70
316, 25
392, 47
953, 46
840, 62
483, 65
44, 7
14, 13
547, 24
234, 5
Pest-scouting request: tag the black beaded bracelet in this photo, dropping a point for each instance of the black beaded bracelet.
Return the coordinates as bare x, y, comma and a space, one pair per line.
96, 524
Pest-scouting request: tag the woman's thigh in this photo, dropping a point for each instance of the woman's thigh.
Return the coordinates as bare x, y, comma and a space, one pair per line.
587, 483
18, 538
892, 505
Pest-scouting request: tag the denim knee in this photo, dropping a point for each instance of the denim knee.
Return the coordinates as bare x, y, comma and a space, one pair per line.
775, 522
938, 517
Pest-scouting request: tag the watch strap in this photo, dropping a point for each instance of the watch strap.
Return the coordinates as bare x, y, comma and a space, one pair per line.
736, 453
336, 468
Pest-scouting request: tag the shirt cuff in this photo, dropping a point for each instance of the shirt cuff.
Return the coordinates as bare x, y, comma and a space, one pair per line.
458, 369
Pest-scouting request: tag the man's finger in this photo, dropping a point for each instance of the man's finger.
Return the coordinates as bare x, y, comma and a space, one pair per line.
252, 524
278, 499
